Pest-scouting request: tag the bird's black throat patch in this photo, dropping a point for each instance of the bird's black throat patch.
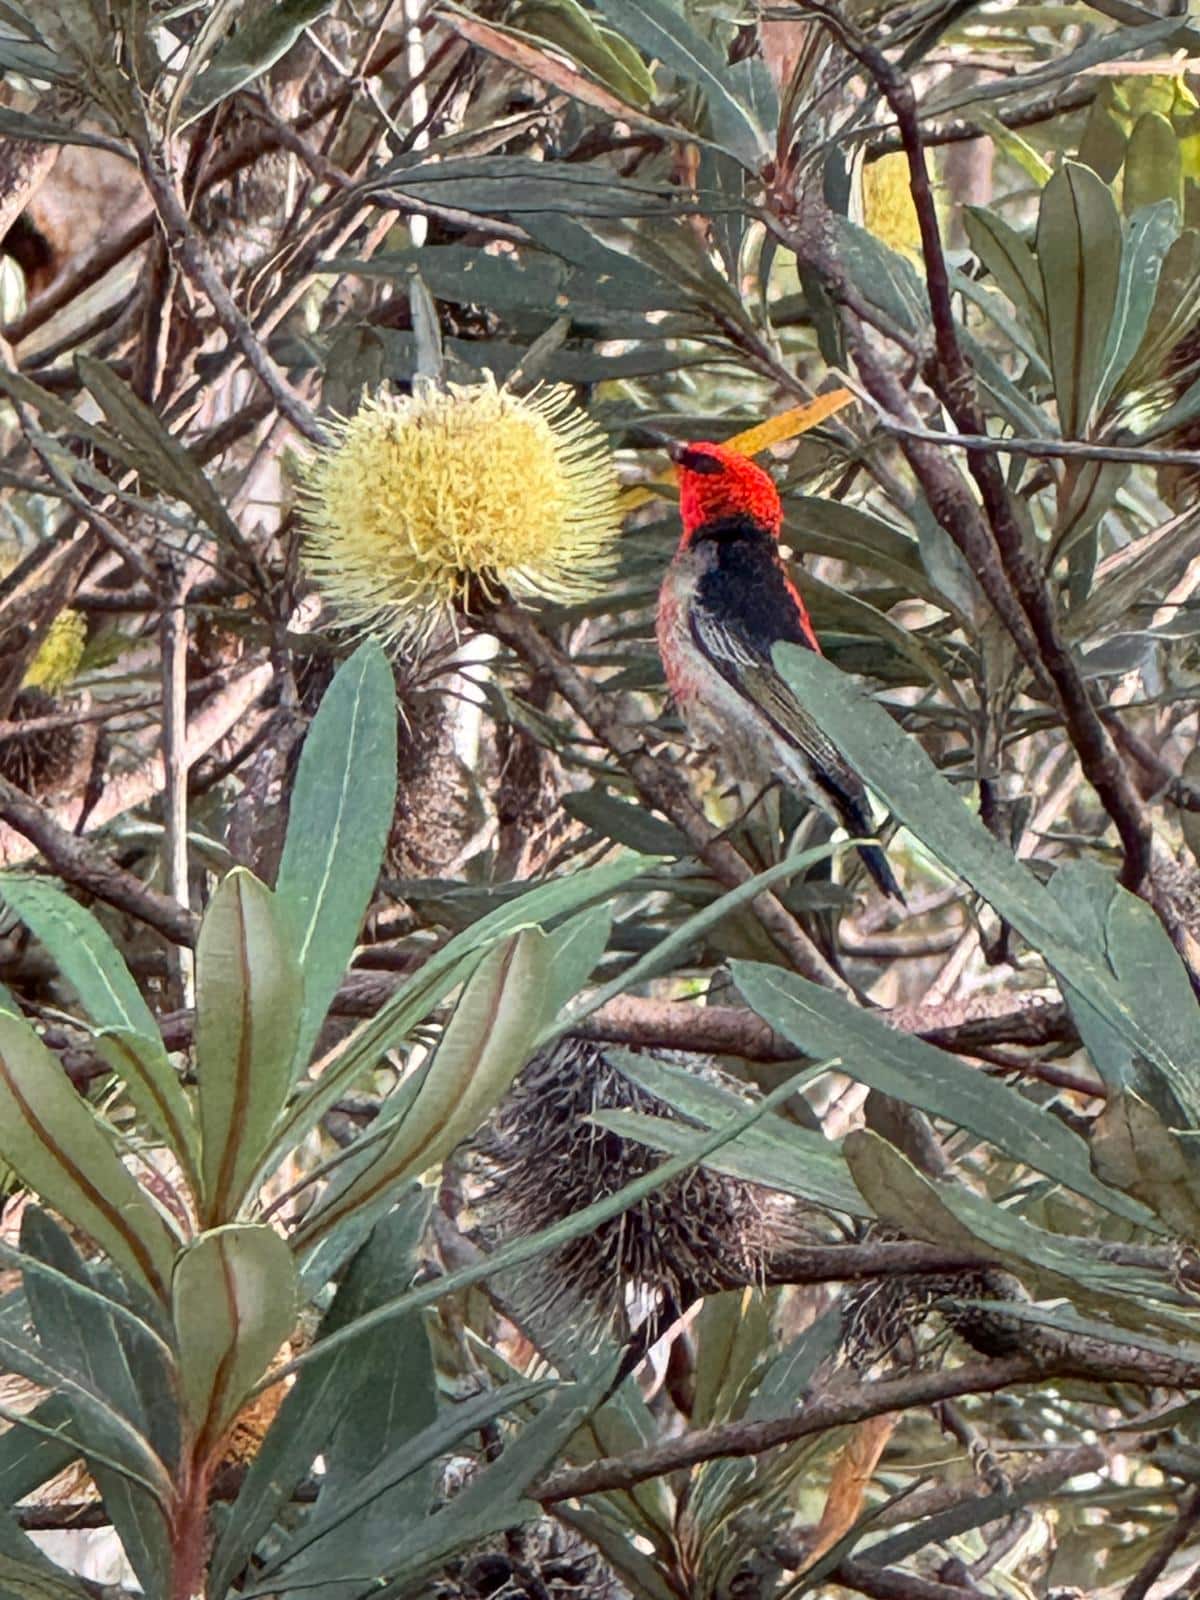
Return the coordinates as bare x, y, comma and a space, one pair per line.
747, 584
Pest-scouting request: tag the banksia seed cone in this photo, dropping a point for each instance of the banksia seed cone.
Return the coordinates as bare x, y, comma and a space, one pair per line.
47, 763
550, 1563
699, 1234
882, 1319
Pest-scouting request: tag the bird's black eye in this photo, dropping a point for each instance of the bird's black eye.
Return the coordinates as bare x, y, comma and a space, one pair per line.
700, 461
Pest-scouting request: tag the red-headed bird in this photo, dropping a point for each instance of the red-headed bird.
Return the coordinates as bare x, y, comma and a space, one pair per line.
725, 601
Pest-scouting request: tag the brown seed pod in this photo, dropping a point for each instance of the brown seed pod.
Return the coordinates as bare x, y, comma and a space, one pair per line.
547, 1563
546, 1160
883, 1320
48, 763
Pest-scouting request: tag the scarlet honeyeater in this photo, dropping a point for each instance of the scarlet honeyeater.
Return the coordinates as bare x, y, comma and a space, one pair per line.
725, 601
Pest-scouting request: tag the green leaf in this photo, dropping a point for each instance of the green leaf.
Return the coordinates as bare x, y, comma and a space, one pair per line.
579, 945
1175, 311
50, 1138
1153, 993
326, 1391
155, 452
820, 527
1005, 254
485, 1044
1079, 258
1153, 165
822, 1024
884, 278
33, 1577
391, 1395
1149, 235
610, 57
143, 1066
451, 965
338, 822
234, 1304
662, 31
513, 185
413, 1455
78, 1332
249, 52
44, 130
900, 772
625, 822
776, 1153
1056, 1264
83, 953
29, 1459
248, 999
113, 1441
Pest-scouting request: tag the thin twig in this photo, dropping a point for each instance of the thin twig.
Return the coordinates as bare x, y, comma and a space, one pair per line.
85, 867
173, 633
199, 266
953, 380
1174, 1539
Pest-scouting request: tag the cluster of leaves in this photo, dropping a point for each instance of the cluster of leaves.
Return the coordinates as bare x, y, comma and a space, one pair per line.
615, 196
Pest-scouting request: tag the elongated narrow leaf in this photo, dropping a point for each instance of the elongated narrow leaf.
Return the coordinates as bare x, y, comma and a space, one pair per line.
1153, 987
898, 769
774, 1152
26, 1574
1150, 233
1055, 1264
1134, 1149
1011, 263
326, 1394
234, 1304
487, 1041
663, 31
52, 1141
1079, 257
157, 454
113, 1440
822, 1024
394, 1020
143, 1066
29, 1459
83, 953
341, 810
248, 998
413, 1455
249, 52
118, 1363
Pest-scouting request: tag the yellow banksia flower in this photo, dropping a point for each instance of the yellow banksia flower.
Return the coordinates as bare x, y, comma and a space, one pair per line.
887, 203
58, 657
423, 501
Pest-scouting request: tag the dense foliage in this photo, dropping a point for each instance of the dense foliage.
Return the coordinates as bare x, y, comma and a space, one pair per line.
454, 1143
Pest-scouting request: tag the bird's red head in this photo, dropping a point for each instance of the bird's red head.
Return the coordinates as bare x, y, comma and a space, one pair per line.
715, 481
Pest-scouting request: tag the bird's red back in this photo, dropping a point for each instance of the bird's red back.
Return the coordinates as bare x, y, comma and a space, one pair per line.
716, 482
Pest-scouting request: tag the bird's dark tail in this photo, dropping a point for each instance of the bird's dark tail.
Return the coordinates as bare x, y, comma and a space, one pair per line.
878, 866
851, 806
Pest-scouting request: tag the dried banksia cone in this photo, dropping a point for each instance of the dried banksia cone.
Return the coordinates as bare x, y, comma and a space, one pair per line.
884, 1320
47, 763
546, 1562
701, 1233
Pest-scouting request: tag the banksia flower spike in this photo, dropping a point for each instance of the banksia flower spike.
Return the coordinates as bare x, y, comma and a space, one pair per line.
425, 503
